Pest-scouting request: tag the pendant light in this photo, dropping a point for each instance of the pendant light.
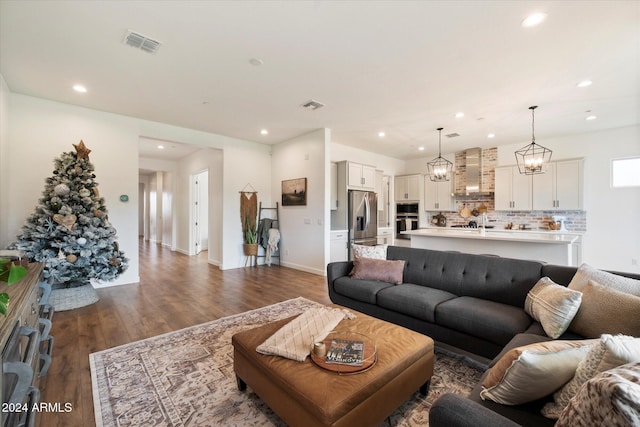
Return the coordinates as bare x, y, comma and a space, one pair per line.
439, 169
532, 158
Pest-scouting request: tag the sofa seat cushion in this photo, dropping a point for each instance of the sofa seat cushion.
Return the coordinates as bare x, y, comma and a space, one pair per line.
360, 290
489, 320
414, 300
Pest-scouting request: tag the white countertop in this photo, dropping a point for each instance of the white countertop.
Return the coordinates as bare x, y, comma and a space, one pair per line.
530, 236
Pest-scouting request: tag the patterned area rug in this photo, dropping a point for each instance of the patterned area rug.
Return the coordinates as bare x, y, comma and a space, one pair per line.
186, 378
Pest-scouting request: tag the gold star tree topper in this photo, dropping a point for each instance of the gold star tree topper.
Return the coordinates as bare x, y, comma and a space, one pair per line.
82, 152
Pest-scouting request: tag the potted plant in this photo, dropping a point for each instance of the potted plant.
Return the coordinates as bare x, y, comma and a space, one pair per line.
10, 273
250, 245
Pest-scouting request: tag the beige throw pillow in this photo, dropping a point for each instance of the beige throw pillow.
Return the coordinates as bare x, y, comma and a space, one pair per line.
611, 352
530, 372
606, 311
585, 273
553, 305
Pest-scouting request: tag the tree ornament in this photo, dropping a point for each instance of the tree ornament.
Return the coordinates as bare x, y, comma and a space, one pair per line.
114, 262
98, 213
84, 192
96, 192
71, 258
81, 241
50, 226
61, 190
82, 152
67, 220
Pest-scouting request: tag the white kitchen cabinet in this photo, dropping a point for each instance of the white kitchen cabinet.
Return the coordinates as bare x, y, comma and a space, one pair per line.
385, 236
512, 190
334, 187
361, 177
437, 195
407, 187
560, 187
338, 246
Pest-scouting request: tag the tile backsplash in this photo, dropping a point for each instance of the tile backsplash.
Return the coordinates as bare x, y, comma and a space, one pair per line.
576, 221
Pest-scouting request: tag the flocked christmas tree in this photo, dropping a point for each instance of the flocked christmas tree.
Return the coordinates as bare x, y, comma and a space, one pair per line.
70, 231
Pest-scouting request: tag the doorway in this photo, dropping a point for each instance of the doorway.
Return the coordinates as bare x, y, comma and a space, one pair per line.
199, 212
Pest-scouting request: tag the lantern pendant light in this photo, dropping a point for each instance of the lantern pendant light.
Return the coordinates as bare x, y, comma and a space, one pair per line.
532, 158
439, 169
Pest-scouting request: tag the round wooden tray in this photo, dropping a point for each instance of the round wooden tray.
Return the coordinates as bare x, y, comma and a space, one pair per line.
369, 358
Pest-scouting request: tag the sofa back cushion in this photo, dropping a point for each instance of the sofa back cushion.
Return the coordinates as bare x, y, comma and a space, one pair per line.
493, 278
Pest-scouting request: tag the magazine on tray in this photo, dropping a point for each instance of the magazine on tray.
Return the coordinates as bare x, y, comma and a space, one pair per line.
345, 352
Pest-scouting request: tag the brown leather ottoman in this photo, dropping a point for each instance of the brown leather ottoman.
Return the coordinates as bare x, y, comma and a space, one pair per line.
303, 394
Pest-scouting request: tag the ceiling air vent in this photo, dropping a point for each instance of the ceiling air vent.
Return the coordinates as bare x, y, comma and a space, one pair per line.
141, 42
452, 135
313, 105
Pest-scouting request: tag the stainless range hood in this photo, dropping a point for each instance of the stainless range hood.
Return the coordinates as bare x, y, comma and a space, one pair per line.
469, 174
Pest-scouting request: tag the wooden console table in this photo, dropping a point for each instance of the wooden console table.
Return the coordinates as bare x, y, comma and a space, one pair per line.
25, 343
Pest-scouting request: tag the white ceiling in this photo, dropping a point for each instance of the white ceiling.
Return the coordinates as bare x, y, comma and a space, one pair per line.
402, 67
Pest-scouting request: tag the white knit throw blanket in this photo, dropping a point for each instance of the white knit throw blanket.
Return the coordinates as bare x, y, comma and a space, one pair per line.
294, 339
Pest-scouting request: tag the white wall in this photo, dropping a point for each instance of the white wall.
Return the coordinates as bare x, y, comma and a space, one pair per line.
389, 165
167, 209
241, 162
304, 229
42, 130
5, 238
210, 160
244, 163
153, 208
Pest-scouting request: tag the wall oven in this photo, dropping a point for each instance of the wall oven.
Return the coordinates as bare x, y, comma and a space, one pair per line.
406, 219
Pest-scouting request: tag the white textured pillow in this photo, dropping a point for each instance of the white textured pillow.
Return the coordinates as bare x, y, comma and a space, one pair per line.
611, 352
364, 251
585, 273
553, 305
533, 371
612, 398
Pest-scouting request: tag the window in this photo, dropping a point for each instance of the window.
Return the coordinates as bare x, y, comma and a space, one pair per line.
625, 172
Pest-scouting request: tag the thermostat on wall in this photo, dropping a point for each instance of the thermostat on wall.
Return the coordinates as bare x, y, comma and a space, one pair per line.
124, 198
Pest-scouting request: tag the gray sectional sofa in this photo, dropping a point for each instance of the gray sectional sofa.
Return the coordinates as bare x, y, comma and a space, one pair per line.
472, 302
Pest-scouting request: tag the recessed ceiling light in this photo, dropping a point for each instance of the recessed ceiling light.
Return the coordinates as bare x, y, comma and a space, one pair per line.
381, 134
160, 147
591, 117
264, 132
534, 19
459, 115
80, 88
491, 135
585, 83
421, 148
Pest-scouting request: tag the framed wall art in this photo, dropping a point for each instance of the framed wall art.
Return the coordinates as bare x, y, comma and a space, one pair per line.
294, 192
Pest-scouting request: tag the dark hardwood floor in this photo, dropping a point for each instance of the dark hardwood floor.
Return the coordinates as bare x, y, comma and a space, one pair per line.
175, 291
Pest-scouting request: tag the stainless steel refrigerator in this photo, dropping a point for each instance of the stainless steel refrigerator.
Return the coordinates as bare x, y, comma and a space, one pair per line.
363, 218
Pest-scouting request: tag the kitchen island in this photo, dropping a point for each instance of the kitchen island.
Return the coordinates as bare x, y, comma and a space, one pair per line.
548, 246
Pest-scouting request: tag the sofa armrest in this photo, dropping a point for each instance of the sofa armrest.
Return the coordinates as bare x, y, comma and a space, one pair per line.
336, 270
453, 410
